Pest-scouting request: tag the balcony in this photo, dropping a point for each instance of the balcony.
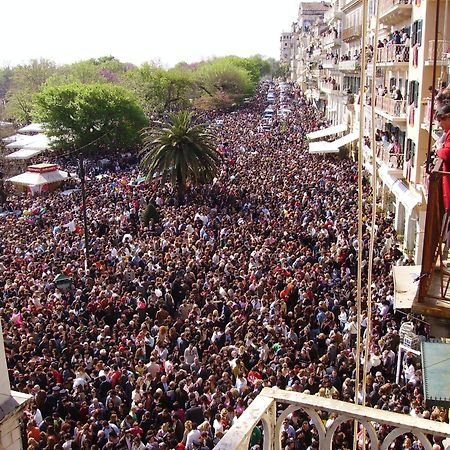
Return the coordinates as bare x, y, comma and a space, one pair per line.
427, 115
333, 14
394, 110
394, 11
443, 53
351, 33
433, 298
329, 88
392, 160
330, 63
331, 41
393, 55
263, 409
349, 66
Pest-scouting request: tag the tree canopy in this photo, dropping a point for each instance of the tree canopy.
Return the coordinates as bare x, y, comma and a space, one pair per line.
181, 152
77, 114
217, 83
160, 89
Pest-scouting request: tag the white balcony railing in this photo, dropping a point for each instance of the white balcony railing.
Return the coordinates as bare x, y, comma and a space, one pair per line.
395, 53
349, 65
330, 40
264, 410
329, 63
316, 52
390, 158
387, 5
396, 108
443, 47
328, 87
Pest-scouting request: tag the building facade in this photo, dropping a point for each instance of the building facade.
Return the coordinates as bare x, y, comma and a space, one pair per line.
325, 61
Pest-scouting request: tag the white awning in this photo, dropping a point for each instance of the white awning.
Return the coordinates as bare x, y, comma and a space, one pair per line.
410, 200
335, 129
322, 147
20, 140
12, 138
368, 167
406, 285
347, 139
32, 128
38, 179
23, 154
41, 142
386, 177
399, 189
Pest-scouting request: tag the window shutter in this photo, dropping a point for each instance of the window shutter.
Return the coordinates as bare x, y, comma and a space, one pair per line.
419, 32
416, 94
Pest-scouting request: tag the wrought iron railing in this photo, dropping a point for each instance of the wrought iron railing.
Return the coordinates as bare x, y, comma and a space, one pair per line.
392, 159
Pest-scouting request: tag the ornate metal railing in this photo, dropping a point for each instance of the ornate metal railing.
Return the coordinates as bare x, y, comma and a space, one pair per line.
393, 160
264, 410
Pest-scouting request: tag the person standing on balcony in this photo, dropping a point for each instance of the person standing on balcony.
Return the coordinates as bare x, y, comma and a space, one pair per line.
443, 118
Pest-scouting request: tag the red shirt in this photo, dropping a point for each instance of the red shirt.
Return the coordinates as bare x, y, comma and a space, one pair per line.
444, 154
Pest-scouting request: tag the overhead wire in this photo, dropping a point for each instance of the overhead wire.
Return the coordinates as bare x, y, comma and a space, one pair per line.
360, 214
374, 207
77, 150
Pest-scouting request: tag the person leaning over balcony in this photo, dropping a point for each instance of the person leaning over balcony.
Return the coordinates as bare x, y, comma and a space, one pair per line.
443, 118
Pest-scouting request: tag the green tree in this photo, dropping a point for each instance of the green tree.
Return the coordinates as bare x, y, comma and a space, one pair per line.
27, 80
181, 152
77, 114
222, 83
106, 69
159, 89
256, 66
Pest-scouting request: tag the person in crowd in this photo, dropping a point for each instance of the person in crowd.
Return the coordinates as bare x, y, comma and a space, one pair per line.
178, 323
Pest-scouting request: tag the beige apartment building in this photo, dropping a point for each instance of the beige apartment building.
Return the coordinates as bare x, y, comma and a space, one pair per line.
325, 58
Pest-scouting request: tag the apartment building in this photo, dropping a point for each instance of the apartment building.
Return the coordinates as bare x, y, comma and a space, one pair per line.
286, 47
326, 63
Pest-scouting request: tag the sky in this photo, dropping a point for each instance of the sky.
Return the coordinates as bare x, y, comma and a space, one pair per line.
136, 31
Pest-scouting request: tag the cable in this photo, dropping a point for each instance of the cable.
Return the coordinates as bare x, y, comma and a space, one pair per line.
360, 213
374, 211
76, 150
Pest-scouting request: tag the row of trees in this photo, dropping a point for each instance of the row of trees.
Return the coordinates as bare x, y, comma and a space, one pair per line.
217, 83
104, 103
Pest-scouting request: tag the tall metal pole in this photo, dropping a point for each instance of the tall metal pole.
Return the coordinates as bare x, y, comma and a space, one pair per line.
85, 222
2, 189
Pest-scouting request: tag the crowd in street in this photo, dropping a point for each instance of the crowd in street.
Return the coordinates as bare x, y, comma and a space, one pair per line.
177, 325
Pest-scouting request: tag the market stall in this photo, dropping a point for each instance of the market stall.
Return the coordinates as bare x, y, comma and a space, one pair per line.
40, 178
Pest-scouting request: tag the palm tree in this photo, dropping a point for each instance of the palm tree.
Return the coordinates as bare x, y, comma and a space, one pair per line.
181, 152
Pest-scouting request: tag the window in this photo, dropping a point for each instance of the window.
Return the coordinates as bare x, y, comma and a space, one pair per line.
416, 34
413, 97
352, 84
410, 152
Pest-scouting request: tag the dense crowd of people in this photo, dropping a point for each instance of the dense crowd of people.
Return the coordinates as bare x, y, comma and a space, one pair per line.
177, 325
